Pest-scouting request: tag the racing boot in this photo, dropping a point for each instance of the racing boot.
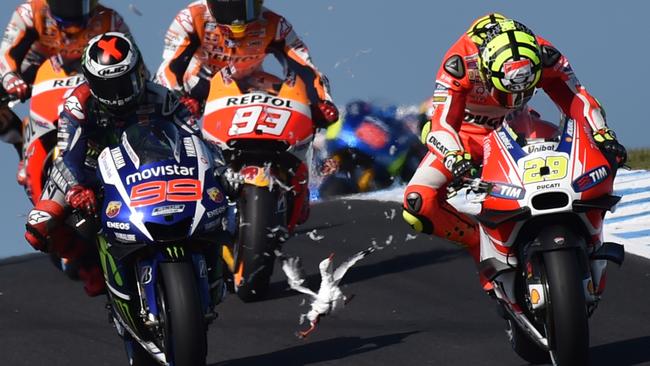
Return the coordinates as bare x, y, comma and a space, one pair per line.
423, 206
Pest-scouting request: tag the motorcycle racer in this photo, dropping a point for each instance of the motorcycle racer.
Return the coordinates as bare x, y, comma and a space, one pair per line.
493, 69
115, 95
236, 35
42, 29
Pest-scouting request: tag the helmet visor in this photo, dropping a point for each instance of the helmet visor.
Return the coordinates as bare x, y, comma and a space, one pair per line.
71, 13
512, 100
115, 93
234, 11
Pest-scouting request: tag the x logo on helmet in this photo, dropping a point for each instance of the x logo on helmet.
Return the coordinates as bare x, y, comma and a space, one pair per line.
110, 50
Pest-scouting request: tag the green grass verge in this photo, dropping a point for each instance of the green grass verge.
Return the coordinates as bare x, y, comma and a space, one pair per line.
639, 158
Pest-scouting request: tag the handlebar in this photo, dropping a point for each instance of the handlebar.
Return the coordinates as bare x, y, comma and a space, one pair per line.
475, 185
7, 99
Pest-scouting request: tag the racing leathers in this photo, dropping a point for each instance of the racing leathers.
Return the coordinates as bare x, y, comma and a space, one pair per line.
464, 113
83, 132
196, 47
31, 37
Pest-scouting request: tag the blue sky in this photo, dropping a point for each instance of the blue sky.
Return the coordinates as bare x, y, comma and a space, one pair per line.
391, 50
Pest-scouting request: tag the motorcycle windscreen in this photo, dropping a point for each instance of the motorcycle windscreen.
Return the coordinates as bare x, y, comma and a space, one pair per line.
153, 142
528, 126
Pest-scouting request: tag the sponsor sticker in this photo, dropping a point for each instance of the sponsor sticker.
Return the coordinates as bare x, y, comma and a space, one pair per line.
118, 225
113, 209
167, 210
126, 238
215, 195
217, 211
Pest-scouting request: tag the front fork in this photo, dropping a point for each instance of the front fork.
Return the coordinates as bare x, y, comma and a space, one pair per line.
133, 290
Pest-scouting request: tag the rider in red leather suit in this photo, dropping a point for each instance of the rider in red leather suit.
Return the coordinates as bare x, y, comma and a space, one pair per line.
42, 29
210, 35
490, 71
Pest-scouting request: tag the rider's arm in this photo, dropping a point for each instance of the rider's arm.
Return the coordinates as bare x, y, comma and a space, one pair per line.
297, 56
72, 135
449, 99
181, 41
18, 38
449, 108
562, 86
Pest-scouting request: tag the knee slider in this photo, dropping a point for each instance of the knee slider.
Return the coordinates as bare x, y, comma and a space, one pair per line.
417, 222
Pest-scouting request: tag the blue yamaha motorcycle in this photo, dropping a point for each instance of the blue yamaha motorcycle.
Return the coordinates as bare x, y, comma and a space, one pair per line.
371, 148
164, 218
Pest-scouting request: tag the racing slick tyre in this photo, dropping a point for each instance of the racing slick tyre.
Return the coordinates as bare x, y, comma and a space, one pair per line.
335, 185
566, 317
181, 316
255, 251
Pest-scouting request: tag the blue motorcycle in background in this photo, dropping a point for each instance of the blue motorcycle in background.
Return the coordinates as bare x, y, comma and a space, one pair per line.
164, 218
371, 148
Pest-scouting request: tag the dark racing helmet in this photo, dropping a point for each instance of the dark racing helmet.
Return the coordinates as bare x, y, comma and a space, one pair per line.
510, 63
114, 71
235, 14
71, 13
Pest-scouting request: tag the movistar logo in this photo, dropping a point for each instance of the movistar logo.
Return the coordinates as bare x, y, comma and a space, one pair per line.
159, 171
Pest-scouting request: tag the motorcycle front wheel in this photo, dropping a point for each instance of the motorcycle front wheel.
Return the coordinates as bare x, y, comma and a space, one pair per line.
566, 318
181, 316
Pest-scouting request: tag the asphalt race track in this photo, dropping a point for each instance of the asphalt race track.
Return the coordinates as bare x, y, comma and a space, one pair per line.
417, 302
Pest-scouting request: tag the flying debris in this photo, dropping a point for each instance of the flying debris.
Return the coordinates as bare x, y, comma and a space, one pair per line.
315, 237
391, 215
329, 297
135, 10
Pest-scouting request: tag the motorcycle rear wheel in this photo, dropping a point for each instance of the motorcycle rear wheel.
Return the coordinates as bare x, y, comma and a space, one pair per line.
567, 311
185, 329
256, 247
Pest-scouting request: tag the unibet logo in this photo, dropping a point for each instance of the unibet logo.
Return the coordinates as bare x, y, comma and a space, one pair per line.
159, 171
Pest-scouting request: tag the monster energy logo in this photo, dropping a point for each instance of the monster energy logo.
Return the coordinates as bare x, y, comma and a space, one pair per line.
175, 252
108, 262
124, 310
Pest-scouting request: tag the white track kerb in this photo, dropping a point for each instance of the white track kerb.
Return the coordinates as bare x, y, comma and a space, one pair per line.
628, 225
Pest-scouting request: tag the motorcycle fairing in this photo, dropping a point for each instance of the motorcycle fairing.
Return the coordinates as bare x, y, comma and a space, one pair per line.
122, 175
51, 84
232, 115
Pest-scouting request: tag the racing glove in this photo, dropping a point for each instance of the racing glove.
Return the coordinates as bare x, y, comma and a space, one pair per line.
325, 114
192, 105
14, 85
82, 198
607, 143
329, 167
460, 164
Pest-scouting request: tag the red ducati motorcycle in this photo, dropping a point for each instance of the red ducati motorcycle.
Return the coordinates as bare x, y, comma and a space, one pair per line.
541, 220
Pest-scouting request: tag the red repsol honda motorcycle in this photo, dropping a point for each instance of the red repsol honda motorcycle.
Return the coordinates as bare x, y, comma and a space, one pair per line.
543, 203
266, 133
